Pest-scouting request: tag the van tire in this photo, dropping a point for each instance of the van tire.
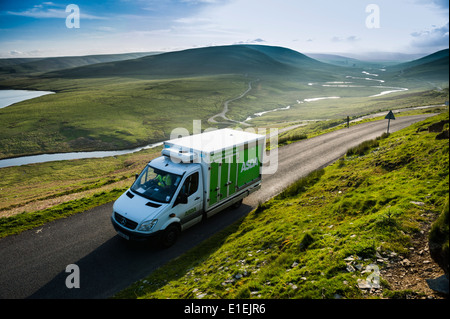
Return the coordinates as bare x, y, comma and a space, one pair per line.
237, 204
169, 236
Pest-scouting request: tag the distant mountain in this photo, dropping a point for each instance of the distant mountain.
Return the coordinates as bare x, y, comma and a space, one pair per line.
38, 65
5, 62
233, 59
286, 56
386, 58
431, 67
344, 61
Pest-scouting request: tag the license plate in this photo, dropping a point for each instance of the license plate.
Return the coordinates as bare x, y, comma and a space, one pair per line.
123, 235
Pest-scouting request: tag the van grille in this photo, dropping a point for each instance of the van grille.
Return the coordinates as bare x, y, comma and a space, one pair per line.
125, 221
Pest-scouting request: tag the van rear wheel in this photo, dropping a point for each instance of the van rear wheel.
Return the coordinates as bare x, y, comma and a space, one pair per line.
237, 204
169, 236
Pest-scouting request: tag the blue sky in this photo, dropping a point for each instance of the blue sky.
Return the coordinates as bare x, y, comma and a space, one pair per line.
38, 28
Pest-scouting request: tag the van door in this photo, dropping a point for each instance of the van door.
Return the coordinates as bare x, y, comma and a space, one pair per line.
190, 212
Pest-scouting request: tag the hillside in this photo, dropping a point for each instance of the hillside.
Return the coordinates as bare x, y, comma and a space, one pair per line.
14, 61
424, 60
434, 70
324, 236
234, 59
39, 65
344, 61
431, 67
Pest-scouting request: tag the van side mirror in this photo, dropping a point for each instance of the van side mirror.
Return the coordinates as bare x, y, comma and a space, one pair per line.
136, 176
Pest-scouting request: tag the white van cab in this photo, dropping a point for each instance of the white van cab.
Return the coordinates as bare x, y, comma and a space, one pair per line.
196, 177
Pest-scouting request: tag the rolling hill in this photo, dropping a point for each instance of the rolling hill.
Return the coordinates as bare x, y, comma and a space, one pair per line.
344, 61
234, 59
435, 70
17, 66
424, 60
431, 67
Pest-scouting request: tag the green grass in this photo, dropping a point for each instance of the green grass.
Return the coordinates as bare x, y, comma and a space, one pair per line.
439, 239
119, 112
294, 245
314, 128
354, 102
24, 221
366, 146
108, 114
32, 195
309, 130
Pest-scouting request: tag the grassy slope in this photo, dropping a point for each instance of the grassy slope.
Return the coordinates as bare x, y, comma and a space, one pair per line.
428, 70
294, 246
17, 67
110, 113
353, 102
233, 59
439, 55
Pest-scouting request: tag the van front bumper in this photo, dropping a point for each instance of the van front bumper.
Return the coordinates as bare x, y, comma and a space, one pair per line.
132, 235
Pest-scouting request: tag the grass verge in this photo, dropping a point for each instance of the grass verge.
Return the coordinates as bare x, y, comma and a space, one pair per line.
21, 222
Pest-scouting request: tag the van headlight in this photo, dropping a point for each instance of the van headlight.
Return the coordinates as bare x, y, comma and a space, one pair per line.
148, 225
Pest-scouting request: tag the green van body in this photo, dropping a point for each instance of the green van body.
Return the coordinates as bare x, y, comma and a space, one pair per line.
231, 161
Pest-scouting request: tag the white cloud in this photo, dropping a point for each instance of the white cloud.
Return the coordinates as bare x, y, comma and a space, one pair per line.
439, 4
352, 38
193, 20
15, 53
195, 2
436, 37
254, 41
37, 12
43, 11
305, 26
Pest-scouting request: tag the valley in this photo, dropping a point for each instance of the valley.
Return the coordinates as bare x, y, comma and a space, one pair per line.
130, 103
116, 105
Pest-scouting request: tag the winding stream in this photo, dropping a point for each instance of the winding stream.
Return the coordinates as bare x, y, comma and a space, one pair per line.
339, 84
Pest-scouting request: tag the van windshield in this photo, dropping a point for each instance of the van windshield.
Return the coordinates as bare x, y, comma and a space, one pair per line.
156, 185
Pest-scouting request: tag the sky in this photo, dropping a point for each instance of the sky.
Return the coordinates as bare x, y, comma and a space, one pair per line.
34, 28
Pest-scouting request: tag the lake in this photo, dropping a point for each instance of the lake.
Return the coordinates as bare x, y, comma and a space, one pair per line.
33, 159
9, 97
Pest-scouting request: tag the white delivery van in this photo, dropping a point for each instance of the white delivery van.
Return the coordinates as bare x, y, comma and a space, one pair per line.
196, 177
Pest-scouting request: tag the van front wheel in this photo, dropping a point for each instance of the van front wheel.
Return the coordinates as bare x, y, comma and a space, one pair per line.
169, 236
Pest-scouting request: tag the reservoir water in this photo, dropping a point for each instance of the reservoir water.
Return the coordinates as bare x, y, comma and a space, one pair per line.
9, 97
33, 159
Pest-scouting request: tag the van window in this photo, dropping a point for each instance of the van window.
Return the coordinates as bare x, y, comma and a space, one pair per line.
194, 184
156, 185
190, 185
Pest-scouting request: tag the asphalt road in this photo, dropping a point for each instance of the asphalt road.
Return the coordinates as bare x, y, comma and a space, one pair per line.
33, 263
